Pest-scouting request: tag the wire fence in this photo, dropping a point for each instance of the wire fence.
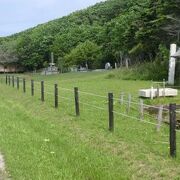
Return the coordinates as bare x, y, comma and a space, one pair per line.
127, 108
135, 106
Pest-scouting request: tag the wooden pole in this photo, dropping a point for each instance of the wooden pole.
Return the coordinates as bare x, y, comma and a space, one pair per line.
172, 138
42, 91
24, 85
18, 83
6, 79
76, 97
111, 114
9, 79
56, 96
32, 87
13, 81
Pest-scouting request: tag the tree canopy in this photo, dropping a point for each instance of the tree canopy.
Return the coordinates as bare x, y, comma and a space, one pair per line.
115, 29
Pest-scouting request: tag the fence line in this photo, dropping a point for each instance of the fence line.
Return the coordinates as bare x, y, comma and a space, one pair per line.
130, 104
92, 94
138, 119
66, 98
93, 106
96, 95
145, 105
65, 89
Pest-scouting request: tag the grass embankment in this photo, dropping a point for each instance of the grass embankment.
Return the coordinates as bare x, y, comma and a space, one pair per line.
40, 142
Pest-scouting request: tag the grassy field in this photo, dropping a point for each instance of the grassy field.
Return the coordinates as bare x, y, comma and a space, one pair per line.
41, 142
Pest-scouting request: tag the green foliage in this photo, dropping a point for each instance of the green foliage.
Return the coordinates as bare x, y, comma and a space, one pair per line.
122, 28
8, 53
146, 71
85, 54
61, 65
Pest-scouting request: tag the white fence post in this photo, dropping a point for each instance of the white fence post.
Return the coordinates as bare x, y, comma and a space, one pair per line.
141, 109
159, 117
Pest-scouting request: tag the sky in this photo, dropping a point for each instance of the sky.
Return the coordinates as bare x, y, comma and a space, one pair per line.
18, 15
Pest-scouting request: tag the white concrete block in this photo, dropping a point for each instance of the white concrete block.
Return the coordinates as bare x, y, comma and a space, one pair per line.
162, 92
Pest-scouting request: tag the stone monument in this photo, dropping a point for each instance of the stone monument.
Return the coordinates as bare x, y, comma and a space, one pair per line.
52, 69
108, 66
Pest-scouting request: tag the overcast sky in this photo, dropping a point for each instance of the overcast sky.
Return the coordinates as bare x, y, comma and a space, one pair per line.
18, 15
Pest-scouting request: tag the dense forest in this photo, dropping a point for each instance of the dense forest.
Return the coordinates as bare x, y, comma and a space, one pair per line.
139, 32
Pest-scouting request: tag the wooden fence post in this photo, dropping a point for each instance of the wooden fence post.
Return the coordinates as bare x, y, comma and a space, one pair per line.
32, 87
56, 96
24, 85
13, 81
42, 91
6, 79
76, 97
129, 103
172, 138
9, 79
18, 83
111, 114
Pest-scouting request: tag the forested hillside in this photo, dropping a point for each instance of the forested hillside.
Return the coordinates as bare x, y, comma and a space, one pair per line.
113, 31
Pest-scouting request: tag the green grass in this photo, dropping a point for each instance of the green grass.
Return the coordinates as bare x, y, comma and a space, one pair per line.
40, 142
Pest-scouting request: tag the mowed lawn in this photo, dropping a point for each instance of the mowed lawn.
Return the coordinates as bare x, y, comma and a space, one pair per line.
41, 142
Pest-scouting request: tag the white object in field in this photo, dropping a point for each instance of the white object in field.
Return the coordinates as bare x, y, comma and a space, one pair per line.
115, 65
164, 87
147, 93
107, 66
52, 59
160, 117
141, 109
152, 92
172, 64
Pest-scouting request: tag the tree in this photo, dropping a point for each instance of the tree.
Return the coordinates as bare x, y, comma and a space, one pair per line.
85, 54
8, 53
61, 64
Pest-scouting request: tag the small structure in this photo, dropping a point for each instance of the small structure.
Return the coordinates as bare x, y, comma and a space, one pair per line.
52, 69
10, 67
83, 69
108, 66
